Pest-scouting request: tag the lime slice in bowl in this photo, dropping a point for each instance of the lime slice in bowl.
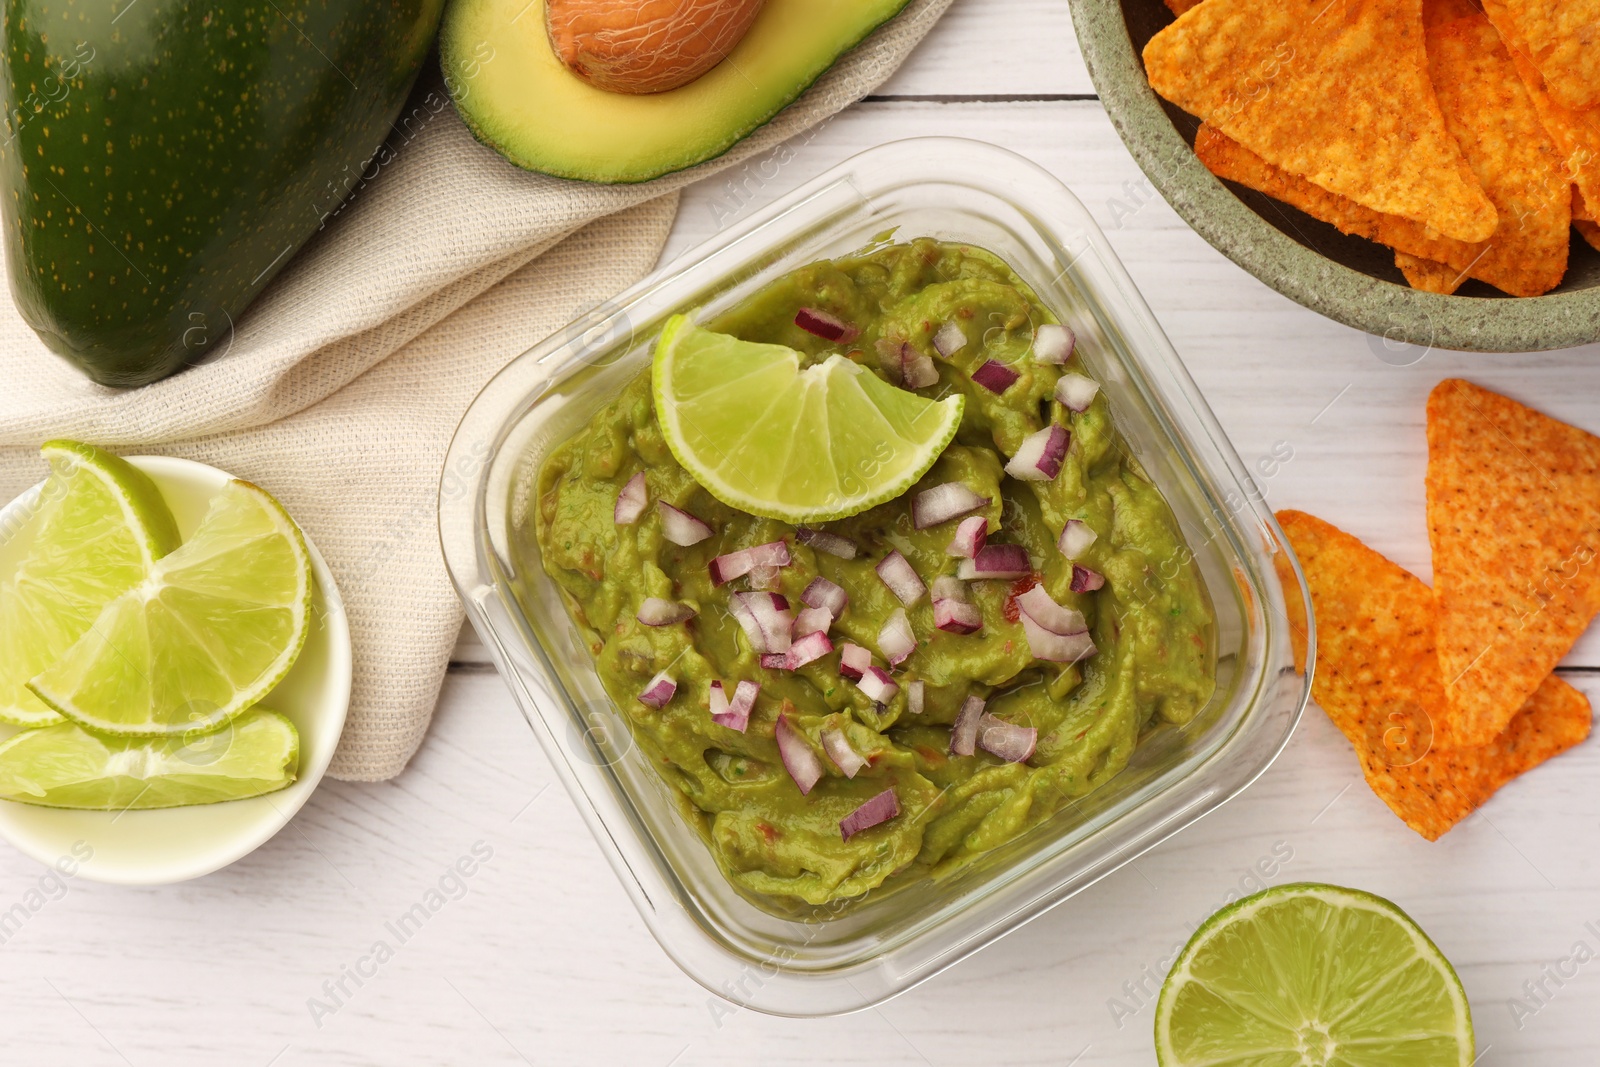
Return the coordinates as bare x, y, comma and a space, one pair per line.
217, 624
66, 766
1310, 975
765, 435
94, 531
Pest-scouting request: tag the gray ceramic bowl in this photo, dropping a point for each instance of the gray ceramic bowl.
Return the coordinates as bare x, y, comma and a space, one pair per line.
1346, 278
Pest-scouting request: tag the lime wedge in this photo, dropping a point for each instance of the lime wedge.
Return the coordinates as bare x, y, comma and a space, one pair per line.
1312, 975
94, 532
66, 766
765, 436
219, 621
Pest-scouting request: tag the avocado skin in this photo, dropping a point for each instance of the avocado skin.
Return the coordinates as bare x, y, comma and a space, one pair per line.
164, 159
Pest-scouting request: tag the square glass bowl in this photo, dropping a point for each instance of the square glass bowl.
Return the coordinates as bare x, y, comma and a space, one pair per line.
818, 961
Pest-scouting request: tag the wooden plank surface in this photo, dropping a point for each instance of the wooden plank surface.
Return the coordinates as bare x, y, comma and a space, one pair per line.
539, 958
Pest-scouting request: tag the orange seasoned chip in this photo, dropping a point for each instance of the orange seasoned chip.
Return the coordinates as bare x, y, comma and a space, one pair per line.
1178, 7
1590, 232
1489, 112
1561, 38
1332, 91
1514, 519
1576, 133
1580, 207
1377, 677
1427, 275
1439, 12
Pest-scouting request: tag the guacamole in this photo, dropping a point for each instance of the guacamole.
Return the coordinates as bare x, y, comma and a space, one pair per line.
1151, 620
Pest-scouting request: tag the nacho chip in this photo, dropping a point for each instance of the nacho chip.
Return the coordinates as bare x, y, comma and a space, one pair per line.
1427, 275
1580, 207
1178, 7
1439, 12
1561, 38
1576, 133
1332, 91
1514, 519
1377, 677
1488, 111
1590, 232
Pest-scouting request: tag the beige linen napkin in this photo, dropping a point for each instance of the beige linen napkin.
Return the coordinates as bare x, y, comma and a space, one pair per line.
340, 388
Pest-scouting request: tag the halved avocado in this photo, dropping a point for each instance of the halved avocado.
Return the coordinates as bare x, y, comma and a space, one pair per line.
519, 99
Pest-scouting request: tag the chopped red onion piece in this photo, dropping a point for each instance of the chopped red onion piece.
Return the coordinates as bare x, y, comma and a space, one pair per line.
1039, 457
808, 649
949, 340
880, 809
1010, 742
766, 619
822, 593
957, 616
946, 587
1053, 344
658, 690
812, 621
1076, 537
1037, 605
905, 365
726, 568
970, 536
680, 527
996, 561
764, 579
915, 695
854, 661
1085, 580
734, 714
837, 746
826, 326
901, 578
658, 612
943, 503
631, 501
822, 541
775, 661
878, 686
1053, 647
1076, 392
895, 640
798, 759
964, 732
995, 376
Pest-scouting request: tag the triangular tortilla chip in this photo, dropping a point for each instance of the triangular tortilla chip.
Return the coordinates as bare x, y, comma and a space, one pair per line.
1439, 12
1514, 519
1489, 112
1377, 677
1580, 207
1590, 232
1576, 133
1333, 91
1561, 38
1428, 276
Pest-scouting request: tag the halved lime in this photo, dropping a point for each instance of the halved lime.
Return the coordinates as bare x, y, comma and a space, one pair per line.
1309, 975
766, 436
66, 766
95, 531
219, 621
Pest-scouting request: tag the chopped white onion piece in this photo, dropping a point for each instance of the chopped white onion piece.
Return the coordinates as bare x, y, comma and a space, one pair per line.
1076, 537
970, 536
947, 587
680, 527
823, 541
812, 621
822, 593
964, 732
950, 339
943, 503
766, 620
726, 568
1012, 743
878, 686
658, 612
1076, 392
837, 746
1053, 344
901, 578
853, 661
957, 616
798, 759
631, 501
1054, 647
1038, 606
895, 640
734, 714
916, 693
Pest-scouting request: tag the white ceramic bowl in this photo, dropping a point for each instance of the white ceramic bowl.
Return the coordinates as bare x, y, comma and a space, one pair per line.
174, 844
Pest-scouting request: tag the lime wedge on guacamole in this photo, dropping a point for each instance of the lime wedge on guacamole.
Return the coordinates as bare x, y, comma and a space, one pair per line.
766, 435
218, 622
66, 766
1312, 975
95, 531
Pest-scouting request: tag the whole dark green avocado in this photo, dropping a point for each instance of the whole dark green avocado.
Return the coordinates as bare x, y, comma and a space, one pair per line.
163, 159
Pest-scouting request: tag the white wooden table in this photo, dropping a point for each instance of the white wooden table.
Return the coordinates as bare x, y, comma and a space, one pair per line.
539, 957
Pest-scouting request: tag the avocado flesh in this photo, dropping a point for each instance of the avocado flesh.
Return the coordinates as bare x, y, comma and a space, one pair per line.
163, 159
519, 99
